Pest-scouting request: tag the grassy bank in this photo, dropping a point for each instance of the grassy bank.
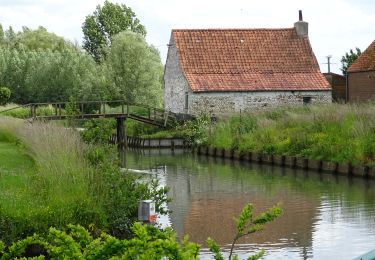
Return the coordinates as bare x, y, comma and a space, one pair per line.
52, 180
60, 180
335, 132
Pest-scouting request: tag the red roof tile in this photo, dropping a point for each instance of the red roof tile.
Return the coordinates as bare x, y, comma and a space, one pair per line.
366, 61
248, 60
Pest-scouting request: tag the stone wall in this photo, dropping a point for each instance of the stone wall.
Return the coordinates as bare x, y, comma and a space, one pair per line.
227, 102
175, 83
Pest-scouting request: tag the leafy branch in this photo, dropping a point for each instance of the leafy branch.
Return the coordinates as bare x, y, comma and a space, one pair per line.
246, 225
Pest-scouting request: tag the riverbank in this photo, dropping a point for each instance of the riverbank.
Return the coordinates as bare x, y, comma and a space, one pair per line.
336, 133
61, 180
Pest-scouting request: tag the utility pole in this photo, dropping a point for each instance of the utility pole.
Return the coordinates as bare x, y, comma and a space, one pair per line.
329, 63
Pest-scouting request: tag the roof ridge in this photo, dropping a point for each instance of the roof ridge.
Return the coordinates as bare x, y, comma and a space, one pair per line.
366, 61
235, 29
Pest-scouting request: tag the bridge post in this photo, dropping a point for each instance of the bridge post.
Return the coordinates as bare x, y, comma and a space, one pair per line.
121, 133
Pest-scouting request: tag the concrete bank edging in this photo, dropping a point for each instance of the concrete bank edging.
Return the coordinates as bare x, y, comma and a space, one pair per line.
289, 161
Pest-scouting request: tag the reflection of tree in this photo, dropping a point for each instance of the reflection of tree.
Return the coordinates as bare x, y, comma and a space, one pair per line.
207, 193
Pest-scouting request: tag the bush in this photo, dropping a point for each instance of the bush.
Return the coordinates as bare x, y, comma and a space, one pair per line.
98, 131
76, 242
4, 95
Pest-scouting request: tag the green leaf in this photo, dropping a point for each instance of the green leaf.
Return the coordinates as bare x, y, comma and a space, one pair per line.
215, 249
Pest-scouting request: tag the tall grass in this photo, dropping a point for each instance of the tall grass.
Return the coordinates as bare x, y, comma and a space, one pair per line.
57, 191
335, 132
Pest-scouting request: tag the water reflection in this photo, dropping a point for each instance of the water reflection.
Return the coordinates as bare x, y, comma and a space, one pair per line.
326, 216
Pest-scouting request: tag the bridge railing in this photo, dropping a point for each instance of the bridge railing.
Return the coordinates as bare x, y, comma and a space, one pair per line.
92, 109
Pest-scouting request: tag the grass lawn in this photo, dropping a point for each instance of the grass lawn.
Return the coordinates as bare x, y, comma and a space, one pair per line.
15, 169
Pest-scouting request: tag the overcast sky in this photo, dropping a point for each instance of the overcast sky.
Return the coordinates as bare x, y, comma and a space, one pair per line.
335, 26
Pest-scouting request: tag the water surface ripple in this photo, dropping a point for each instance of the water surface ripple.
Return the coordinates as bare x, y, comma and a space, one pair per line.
325, 216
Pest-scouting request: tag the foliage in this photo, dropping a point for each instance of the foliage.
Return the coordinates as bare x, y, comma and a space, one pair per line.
98, 131
39, 39
134, 70
4, 95
76, 242
349, 58
107, 21
196, 130
49, 76
247, 225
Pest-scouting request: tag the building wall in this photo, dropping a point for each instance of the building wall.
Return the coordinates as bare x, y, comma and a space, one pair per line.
361, 86
227, 102
175, 83
338, 85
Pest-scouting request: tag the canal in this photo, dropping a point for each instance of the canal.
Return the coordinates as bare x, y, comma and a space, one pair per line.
325, 216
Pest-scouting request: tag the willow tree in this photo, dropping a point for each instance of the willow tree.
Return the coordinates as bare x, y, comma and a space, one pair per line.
134, 70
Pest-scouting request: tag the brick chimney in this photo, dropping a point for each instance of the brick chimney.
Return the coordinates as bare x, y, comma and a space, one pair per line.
302, 28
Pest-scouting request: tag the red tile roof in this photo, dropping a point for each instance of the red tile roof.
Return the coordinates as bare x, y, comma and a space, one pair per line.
248, 60
366, 61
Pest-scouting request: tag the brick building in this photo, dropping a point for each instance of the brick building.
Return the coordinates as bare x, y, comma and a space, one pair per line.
338, 85
361, 76
228, 70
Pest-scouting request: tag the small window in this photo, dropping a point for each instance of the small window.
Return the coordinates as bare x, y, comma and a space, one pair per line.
306, 100
186, 100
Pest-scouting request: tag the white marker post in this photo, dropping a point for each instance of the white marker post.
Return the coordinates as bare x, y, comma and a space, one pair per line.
147, 212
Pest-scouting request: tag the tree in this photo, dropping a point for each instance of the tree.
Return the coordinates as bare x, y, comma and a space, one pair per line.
104, 23
2, 36
49, 76
35, 40
349, 58
4, 95
134, 70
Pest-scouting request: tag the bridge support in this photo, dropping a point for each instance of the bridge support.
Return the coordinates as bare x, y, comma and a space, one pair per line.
121, 133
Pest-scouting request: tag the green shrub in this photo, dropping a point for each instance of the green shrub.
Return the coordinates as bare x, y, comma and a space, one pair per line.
76, 242
98, 131
4, 95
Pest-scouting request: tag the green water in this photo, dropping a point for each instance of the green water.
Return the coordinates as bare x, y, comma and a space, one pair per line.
326, 216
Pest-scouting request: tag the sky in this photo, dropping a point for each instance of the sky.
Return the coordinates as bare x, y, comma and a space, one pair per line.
335, 26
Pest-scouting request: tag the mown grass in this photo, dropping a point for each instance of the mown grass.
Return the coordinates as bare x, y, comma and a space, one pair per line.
334, 132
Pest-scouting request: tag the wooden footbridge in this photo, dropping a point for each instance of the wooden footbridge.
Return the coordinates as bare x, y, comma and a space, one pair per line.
119, 109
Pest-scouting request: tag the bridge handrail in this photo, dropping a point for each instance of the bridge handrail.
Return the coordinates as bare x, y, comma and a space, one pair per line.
13, 108
155, 114
91, 102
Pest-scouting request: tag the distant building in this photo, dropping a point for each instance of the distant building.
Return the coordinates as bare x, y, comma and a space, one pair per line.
338, 85
361, 76
228, 70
